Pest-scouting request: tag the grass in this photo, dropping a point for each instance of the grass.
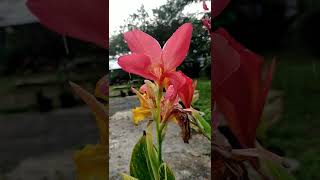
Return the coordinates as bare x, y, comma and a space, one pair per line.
297, 132
204, 102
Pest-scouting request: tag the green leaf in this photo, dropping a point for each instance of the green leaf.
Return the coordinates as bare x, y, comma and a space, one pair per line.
276, 172
127, 177
139, 163
165, 172
202, 124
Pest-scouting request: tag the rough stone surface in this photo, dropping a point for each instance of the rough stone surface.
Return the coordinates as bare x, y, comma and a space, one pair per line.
188, 161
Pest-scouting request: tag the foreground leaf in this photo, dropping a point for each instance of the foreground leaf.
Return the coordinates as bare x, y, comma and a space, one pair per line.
165, 172
139, 165
127, 177
202, 124
152, 153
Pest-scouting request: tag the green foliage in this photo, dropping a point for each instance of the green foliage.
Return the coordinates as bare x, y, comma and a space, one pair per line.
127, 177
203, 125
297, 131
144, 162
139, 164
276, 172
165, 172
204, 102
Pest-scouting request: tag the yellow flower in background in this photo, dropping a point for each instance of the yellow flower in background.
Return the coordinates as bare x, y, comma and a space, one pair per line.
91, 162
139, 114
146, 95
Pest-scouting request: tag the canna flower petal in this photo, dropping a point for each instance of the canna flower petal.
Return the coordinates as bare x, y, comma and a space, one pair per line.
138, 64
171, 94
84, 20
185, 87
140, 114
176, 48
242, 92
142, 43
226, 60
149, 61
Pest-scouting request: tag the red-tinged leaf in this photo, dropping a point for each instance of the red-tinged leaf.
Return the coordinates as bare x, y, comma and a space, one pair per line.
81, 19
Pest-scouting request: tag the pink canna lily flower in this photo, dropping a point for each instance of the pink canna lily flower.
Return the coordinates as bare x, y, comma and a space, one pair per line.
80, 19
239, 88
185, 87
168, 103
148, 60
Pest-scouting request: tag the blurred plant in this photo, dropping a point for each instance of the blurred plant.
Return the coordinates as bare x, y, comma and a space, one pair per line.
240, 90
152, 62
91, 161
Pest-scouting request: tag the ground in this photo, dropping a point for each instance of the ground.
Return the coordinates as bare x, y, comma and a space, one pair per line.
188, 161
36, 146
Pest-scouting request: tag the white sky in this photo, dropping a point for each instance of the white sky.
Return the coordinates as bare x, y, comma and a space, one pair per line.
119, 10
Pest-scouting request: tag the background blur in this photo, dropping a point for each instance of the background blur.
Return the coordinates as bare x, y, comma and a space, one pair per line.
41, 122
289, 31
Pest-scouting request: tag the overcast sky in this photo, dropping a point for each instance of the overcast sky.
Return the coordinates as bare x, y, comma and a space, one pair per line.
119, 10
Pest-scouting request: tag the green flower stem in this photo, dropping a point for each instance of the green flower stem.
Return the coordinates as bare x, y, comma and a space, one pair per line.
158, 122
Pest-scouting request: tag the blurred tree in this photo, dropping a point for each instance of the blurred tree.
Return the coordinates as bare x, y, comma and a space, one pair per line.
166, 19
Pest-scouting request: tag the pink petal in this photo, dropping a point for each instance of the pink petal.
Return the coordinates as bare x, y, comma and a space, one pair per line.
171, 94
81, 19
218, 6
226, 60
142, 43
184, 85
143, 88
177, 46
138, 64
